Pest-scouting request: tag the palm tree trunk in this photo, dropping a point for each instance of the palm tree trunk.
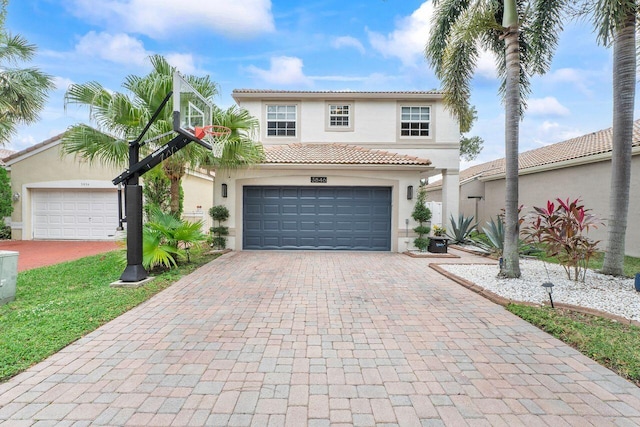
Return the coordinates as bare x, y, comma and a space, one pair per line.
624, 92
511, 264
174, 191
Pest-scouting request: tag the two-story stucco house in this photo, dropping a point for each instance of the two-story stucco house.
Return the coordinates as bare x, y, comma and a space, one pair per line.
341, 169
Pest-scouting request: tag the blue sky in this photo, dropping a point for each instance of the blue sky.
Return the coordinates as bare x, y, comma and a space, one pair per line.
368, 45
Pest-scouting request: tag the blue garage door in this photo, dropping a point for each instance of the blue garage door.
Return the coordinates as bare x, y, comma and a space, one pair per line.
335, 218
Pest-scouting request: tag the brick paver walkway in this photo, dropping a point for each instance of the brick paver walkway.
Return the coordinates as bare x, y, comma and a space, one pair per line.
40, 253
318, 339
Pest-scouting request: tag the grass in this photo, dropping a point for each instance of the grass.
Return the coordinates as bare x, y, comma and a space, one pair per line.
57, 305
612, 344
631, 264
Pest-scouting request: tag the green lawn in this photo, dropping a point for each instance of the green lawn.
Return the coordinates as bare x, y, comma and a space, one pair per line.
609, 343
631, 265
56, 305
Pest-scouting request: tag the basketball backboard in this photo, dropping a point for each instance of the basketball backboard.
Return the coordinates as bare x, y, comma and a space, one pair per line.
191, 111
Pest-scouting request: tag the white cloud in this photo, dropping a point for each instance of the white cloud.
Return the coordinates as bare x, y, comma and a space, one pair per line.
182, 61
347, 41
62, 83
160, 18
119, 48
571, 76
407, 41
548, 106
284, 70
486, 65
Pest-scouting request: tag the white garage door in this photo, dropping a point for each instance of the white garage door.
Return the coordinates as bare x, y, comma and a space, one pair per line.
74, 214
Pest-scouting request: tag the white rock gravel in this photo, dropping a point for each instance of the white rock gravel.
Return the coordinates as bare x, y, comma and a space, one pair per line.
601, 292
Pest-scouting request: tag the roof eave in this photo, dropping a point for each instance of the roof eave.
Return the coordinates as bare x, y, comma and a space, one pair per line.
239, 95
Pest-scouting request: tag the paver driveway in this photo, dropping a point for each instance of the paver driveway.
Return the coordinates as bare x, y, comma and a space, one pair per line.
299, 338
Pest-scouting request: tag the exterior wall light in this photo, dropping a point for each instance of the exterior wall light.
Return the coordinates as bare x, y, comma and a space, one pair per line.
410, 192
224, 190
16, 196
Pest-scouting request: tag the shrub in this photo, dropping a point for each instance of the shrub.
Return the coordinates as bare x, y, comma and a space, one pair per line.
422, 214
561, 231
219, 213
166, 239
461, 229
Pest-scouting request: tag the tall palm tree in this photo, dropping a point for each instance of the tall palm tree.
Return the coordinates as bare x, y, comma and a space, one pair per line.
119, 118
523, 45
23, 91
615, 21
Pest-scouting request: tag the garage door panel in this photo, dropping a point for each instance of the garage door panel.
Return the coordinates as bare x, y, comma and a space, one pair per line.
77, 214
270, 209
290, 209
318, 218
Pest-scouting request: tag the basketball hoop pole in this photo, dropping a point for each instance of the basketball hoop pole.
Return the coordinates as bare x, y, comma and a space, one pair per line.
135, 272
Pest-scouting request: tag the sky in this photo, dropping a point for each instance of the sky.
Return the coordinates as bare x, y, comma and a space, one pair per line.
359, 45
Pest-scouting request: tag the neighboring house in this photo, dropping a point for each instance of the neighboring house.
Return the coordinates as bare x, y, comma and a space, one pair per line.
63, 197
579, 167
341, 171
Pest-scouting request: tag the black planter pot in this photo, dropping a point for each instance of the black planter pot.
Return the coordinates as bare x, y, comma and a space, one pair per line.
438, 245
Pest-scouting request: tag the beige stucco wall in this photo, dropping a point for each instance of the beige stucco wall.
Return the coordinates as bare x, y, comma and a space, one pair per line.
375, 122
46, 168
352, 176
198, 197
590, 182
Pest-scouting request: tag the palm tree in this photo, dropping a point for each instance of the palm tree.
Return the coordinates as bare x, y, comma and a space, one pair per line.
523, 46
23, 91
615, 20
119, 118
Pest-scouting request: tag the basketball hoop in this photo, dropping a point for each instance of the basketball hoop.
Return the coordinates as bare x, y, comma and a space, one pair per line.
214, 131
215, 135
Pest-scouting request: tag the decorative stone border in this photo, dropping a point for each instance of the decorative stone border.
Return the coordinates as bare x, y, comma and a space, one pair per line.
429, 255
493, 297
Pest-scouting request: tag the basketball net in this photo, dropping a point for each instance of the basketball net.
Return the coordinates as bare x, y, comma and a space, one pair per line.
215, 135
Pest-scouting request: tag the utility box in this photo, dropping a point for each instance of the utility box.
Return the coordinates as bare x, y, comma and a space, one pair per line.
8, 276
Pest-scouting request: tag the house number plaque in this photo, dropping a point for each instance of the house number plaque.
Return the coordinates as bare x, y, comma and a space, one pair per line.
318, 179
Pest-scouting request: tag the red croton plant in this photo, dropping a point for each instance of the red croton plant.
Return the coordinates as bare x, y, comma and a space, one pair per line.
561, 230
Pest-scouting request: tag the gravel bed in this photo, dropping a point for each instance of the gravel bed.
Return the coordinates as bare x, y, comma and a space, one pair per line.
601, 292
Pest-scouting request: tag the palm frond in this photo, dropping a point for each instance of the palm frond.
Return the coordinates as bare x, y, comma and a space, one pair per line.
95, 145
542, 29
609, 17
15, 48
445, 15
23, 94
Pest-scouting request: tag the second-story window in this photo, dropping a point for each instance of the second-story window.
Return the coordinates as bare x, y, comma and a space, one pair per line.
415, 120
339, 115
281, 120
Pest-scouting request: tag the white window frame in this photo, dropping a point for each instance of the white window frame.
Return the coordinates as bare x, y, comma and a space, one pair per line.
415, 117
350, 116
289, 108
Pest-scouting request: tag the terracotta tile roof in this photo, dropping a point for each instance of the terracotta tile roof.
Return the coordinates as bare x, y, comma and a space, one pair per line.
580, 147
336, 154
347, 92
5, 153
33, 147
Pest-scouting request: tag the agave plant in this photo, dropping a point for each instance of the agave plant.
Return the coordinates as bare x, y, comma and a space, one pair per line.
461, 229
